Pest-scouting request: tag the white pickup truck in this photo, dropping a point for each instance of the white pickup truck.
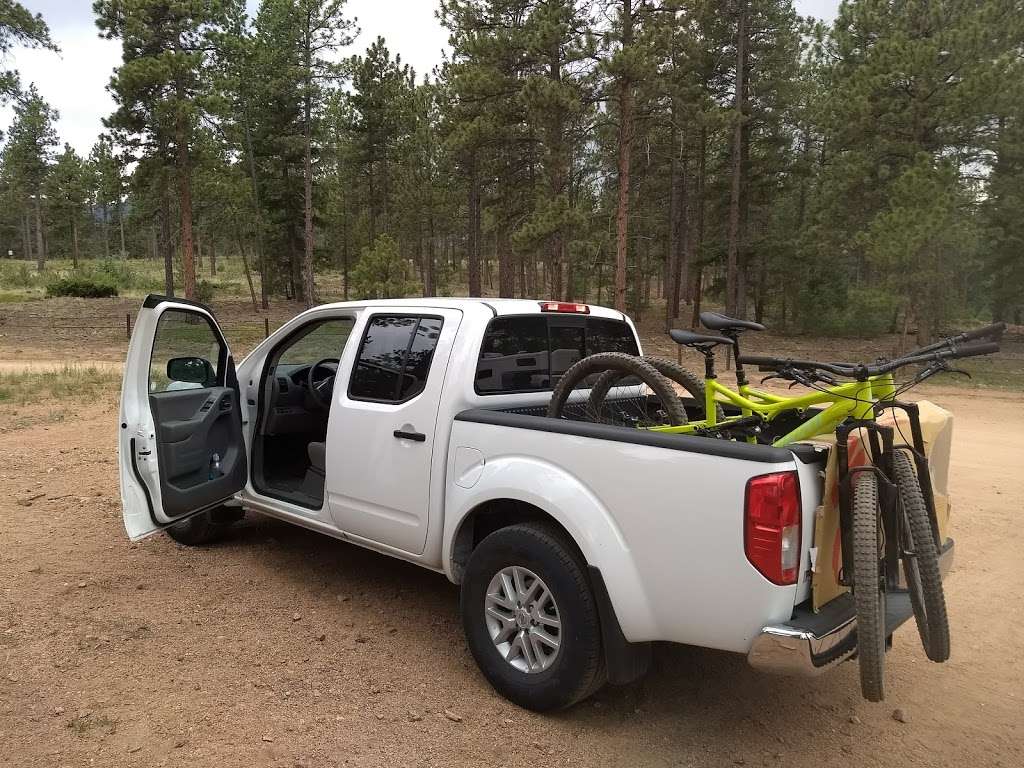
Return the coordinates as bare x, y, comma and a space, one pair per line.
416, 428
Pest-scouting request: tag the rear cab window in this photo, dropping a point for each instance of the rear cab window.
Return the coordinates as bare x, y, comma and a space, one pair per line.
529, 353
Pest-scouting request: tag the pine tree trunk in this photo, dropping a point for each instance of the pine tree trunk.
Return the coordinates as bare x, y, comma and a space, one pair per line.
429, 288
106, 231
213, 260
695, 243
184, 171
682, 274
120, 223
732, 277
258, 210
506, 265
165, 233
696, 289
26, 234
671, 289
308, 281
344, 247
40, 240
473, 238
625, 149
248, 274
74, 242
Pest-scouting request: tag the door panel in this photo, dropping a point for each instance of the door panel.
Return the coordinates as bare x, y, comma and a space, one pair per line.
380, 441
200, 462
181, 449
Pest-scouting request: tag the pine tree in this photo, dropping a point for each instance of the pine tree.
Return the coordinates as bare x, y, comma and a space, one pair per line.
19, 27
161, 86
322, 30
558, 93
109, 187
67, 192
27, 158
913, 92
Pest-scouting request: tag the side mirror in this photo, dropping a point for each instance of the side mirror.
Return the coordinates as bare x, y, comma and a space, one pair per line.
191, 370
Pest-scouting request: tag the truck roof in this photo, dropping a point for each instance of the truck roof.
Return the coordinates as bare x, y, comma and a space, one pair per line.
497, 306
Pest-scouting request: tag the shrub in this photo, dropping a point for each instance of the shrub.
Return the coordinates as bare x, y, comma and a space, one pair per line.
857, 312
111, 272
381, 272
80, 287
205, 291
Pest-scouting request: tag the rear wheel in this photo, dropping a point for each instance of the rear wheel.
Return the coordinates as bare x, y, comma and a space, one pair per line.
690, 383
868, 586
646, 400
921, 561
530, 618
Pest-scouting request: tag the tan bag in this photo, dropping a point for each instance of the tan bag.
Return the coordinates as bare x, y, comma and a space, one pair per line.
937, 431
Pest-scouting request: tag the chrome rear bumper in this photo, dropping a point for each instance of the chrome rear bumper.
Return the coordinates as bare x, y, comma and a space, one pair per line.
810, 643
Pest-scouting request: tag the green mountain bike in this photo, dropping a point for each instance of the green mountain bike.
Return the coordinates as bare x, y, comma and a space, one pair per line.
886, 507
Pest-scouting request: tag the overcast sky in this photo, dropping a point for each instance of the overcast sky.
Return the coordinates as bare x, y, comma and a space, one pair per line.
74, 81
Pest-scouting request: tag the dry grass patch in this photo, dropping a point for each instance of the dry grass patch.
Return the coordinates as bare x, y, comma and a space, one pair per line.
79, 383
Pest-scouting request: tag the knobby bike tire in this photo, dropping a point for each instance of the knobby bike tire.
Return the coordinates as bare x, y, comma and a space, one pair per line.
868, 590
625, 365
672, 371
921, 561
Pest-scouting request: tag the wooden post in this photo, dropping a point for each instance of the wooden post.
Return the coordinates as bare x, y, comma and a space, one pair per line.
266, 327
128, 324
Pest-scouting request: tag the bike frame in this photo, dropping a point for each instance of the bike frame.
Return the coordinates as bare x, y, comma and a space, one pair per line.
855, 399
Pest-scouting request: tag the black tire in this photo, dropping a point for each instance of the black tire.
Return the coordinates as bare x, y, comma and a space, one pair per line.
624, 365
672, 371
924, 579
577, 670
868, 587
204, 528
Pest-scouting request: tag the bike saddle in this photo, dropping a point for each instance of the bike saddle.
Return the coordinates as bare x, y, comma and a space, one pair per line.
719, 322
698, 340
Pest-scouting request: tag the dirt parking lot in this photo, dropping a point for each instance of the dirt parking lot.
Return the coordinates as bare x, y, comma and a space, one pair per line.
280, 647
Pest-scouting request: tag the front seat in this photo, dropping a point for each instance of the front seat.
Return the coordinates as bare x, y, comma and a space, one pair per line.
313, 482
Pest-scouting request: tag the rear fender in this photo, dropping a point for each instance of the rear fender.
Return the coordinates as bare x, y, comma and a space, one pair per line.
570, 503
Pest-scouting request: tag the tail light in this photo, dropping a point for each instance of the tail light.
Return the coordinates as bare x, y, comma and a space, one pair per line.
771, 533
564, 306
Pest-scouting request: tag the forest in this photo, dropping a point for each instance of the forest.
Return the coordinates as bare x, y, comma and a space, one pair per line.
849, 178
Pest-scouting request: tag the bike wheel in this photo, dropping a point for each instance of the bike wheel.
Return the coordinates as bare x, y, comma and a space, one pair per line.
674, 372
921, 561
868, 586
647, 400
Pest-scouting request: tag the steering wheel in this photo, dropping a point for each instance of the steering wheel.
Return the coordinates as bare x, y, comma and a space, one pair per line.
320, 388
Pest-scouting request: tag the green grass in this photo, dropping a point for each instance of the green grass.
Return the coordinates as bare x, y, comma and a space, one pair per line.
17, 297
82, 384
133, 277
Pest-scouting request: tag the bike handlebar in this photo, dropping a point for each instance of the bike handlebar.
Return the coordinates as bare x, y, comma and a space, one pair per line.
860, 371
993, 331
996, 329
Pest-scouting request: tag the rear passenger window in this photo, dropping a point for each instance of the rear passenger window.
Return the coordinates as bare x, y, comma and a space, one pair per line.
394, 358
530, 353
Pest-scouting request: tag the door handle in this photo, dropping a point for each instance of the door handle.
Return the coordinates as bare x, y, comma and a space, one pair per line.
416, 437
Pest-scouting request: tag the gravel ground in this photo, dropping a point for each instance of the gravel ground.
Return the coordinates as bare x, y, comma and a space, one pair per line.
282, 647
